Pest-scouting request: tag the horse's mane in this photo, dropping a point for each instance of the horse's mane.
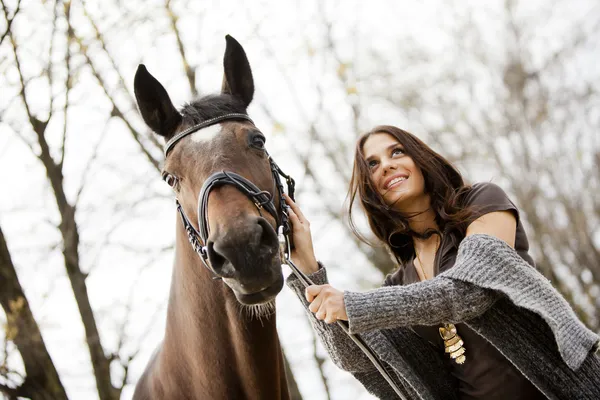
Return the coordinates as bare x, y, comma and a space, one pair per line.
211, 106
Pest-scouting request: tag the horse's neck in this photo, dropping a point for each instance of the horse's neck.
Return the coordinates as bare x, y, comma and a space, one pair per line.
217, 341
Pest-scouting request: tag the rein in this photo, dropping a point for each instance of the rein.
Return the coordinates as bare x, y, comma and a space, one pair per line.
262, 199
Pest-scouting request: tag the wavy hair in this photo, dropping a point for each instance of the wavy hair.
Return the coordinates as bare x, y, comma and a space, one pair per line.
443, 183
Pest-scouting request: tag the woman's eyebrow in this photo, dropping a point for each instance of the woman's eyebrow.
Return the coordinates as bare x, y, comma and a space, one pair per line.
387, 149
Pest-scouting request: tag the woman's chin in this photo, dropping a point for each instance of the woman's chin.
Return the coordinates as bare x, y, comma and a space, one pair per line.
398, 200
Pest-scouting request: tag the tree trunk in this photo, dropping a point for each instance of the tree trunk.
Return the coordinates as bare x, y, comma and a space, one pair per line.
42, 381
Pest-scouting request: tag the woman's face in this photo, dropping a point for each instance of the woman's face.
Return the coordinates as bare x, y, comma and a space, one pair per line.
394, 174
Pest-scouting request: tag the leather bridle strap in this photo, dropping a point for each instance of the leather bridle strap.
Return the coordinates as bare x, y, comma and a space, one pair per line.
261, 198
193, 237
171, 143
284, 221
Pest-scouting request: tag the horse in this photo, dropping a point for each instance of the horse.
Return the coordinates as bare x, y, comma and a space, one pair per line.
220, 340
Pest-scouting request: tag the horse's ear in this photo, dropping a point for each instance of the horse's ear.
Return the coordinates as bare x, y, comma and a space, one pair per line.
154, 103
237, 79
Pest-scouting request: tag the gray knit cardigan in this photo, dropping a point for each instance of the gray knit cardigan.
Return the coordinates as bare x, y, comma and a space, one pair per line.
492, 290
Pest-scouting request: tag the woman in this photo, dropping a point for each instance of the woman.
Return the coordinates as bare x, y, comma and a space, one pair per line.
466, 315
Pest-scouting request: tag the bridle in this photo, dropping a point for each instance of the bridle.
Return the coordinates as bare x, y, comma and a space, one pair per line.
262, 199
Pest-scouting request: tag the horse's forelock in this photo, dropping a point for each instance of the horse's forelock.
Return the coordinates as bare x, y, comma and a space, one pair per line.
211, 106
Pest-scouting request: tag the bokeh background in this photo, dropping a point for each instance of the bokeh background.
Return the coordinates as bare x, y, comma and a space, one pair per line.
507, 90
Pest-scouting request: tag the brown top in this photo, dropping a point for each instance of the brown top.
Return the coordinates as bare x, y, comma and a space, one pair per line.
486, 373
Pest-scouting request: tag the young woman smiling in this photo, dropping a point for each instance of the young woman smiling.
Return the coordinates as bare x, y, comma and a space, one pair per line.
466, 315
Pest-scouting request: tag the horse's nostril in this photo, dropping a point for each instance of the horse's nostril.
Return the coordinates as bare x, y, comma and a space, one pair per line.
268, 235
217, 261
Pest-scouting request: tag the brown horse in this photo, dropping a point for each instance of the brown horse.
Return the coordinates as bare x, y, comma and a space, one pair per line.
220, 340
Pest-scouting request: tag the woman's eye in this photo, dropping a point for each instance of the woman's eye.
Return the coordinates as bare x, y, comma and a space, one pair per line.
372, 164
397, 151
258, 141
170, 179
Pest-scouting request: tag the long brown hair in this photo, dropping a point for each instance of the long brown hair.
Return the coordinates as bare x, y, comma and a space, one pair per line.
443, 183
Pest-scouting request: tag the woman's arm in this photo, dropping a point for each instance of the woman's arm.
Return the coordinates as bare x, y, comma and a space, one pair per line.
501, 224
431, 302
425, 303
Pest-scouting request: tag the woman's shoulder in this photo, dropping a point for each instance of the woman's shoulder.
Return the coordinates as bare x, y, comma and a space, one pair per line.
482, 190
488, 195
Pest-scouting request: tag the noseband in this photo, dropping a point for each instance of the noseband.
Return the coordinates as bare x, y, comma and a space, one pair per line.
262, 199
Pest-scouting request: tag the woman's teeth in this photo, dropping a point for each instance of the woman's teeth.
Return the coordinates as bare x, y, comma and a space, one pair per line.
395, 180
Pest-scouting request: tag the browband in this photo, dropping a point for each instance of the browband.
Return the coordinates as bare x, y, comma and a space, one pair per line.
201, 125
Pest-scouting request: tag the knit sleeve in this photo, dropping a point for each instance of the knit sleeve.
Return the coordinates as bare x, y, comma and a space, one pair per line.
432, 302
342, 350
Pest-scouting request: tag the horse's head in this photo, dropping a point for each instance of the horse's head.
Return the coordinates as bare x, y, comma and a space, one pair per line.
241, 244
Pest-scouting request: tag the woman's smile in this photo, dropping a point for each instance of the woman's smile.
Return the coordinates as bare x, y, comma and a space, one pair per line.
395, 181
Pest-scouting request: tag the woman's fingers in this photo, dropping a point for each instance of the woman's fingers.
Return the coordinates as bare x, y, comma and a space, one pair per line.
303, 253
315, 305
321, 314
293, 217
316, 301
327, 303
330, 318
326, 312
312, 291
294, 207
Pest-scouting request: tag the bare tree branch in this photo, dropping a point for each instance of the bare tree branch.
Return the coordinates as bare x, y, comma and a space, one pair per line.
137, 136
32, 120
291, 380
190, 72
115, 69
9, 20
68, 80
11, 393
88, 166
320, 361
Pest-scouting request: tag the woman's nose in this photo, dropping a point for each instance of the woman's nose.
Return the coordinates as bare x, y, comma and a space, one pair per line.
387, 166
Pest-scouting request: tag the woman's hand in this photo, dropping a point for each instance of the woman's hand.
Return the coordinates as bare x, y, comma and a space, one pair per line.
303, 254
326, 302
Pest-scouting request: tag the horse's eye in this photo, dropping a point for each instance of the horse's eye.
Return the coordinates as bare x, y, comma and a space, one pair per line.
258, 141
170, 179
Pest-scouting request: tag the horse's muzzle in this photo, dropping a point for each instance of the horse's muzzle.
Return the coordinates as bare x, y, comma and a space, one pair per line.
247, 256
